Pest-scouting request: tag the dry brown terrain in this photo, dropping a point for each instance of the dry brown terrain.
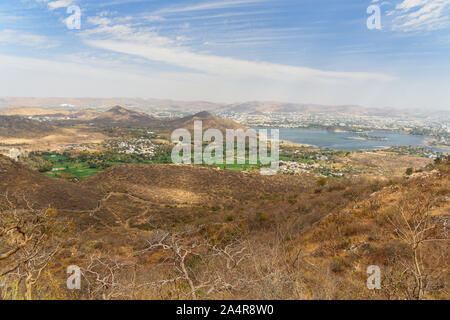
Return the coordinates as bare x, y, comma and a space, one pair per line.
279, 237
164, 231
41, 191
29, 111
15, 126
209, 121
384, 163
57, 141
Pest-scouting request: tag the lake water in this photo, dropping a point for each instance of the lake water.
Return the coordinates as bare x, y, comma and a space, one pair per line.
346, 140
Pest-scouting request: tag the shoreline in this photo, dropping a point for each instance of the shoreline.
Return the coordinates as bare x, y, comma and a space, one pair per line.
424, 142
294, 144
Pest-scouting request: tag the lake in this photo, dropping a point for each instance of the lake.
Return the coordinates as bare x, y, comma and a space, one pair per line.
349, 140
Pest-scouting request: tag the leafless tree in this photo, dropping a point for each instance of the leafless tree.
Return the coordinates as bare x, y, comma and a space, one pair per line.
27, 242
110, 278
205, 267
414, 226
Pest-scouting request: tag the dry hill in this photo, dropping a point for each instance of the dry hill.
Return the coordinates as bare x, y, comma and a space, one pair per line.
118, 116
21, 183
209, 121
19, 127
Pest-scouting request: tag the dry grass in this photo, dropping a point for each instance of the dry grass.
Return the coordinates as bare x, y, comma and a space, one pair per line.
245, 236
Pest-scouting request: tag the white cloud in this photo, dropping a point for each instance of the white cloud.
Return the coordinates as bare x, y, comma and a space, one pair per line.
152, 18
99, 20
146, 43
201, 76
415, 15
22, 76
231, 67
211, 5
26, 39
59, 4
56, 4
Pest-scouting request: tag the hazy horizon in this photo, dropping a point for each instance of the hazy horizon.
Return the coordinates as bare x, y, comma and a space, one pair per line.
67, 103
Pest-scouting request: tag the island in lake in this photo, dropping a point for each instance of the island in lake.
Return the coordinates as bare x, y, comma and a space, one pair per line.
366, 137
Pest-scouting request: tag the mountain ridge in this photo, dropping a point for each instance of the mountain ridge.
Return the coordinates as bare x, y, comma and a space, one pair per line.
209, 121
152, 104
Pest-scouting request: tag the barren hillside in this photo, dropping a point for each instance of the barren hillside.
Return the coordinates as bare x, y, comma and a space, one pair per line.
274, 237
209, 121
19, 127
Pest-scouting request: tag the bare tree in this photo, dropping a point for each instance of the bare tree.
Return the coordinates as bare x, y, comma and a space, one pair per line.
27, 242
414, 226
110, 278
205, 267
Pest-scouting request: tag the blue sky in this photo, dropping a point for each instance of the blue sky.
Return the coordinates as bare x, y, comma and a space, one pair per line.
311, 51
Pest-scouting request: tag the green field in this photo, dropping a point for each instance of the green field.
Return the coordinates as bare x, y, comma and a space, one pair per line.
81, 167
80, 170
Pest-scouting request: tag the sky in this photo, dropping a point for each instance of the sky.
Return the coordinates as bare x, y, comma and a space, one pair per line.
305, 51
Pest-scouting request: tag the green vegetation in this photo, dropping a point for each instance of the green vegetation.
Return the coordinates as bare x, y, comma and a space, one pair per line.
322, 181
36, 162
414, 151
80, 165
74, 170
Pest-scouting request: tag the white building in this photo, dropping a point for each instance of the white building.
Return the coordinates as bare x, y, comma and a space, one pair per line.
14, 153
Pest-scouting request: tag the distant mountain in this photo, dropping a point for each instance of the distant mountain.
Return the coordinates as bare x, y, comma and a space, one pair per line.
102, 103
119, 116
209, 121
20, 127
155, 105
85, 113
257, 107
122, 117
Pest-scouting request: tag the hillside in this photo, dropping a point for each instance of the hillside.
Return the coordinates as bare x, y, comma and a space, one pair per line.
209, 121
22, 184
402, 228
119, 116
289, 237
189, 184
19, 127
122, 117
